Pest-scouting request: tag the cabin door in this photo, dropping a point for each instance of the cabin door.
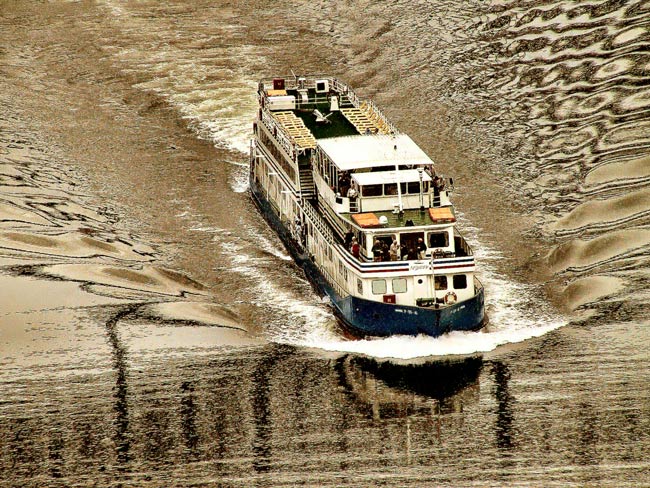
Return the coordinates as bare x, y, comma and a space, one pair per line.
421, 288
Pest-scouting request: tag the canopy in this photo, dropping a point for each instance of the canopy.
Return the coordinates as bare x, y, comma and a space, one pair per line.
350, 153
442, 215
382, 177
366, 220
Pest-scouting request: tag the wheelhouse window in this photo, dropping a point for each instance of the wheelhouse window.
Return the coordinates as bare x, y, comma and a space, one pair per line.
459, 281
359, 286
399, 285
413, 187
378, 287
440, 282
390, 189
438, 239
371, 190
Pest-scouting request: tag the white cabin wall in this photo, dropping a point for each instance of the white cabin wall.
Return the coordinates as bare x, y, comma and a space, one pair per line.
388, 203
343, 277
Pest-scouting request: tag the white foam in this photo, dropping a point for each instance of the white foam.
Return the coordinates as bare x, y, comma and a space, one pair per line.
295, 315
516, 312
268, 245
239, 178
454, 343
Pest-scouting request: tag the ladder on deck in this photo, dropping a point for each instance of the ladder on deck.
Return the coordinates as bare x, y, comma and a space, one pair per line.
336, 224
307, 185
318, 221
354, 205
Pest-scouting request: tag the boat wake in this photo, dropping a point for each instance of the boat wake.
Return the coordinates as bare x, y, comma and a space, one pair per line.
515, 313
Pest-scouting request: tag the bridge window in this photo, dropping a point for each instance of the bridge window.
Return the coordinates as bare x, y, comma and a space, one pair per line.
399, 285
438, 239
378, 287
390, 189
440, 282
413, 187
372, 190
359, 286
460, 281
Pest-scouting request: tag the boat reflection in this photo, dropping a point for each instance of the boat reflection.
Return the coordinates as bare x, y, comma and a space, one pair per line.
387, 389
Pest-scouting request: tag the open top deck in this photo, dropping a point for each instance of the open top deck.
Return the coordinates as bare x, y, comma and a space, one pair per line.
327, 108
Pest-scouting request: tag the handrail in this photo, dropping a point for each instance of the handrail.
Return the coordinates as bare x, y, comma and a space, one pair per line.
315, 217
285, 141
291, 82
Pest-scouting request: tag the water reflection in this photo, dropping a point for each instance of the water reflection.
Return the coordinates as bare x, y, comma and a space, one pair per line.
188, 422
386, 389
504, 419
120, 392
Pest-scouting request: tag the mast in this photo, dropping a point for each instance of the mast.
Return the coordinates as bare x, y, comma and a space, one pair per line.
399, 186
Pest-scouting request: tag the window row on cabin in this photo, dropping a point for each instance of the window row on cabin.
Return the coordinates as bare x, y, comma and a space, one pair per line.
433, 239
390, 189
330, 173
399, 285
277, 154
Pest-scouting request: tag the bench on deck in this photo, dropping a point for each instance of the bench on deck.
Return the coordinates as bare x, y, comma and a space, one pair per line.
296, 129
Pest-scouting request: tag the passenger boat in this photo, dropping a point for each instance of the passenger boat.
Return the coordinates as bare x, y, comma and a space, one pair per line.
362, 210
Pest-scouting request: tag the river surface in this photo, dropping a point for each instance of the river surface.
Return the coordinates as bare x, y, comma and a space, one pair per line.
155, 333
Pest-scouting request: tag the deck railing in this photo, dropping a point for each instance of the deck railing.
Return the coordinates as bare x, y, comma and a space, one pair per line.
464, 246
293, 82
279, 133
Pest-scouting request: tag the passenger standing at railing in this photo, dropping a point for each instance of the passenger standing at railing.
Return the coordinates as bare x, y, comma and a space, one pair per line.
421, 248
394, 250
355, 248
438, 186
385, 255
377, 250
344, 183
348, 239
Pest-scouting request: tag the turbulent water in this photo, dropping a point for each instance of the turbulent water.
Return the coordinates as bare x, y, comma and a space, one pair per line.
153, 330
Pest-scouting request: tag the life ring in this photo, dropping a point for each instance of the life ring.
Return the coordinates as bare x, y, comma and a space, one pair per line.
450, 298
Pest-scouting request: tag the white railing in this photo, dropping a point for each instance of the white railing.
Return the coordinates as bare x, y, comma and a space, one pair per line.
279, 133
318, 222
292, 82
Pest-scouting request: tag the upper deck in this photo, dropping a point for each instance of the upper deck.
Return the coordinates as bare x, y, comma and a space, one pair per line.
346, 151
343, 114
363, 178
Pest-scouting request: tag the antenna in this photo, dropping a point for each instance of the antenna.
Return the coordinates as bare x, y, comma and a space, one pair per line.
399, 184
420, 173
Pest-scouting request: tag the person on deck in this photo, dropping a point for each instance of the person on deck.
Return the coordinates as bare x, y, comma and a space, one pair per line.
394, 250
355, 248
385, 254
421, 248
348, 238
377, 249
411, 254
403, 252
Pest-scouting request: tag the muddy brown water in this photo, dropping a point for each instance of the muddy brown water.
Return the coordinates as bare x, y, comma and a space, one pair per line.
154, 332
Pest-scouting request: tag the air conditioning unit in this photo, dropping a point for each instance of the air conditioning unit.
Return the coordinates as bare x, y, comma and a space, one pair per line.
322, 86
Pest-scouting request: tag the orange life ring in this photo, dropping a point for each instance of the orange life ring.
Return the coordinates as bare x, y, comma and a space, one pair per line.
450, 298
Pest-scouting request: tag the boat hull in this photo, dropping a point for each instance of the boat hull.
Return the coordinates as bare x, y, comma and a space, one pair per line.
370, 318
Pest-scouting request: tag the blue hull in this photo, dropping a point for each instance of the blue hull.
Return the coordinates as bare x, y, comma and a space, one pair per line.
370, 318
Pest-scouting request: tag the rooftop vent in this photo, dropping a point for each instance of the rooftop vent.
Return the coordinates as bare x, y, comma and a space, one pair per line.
322, 86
